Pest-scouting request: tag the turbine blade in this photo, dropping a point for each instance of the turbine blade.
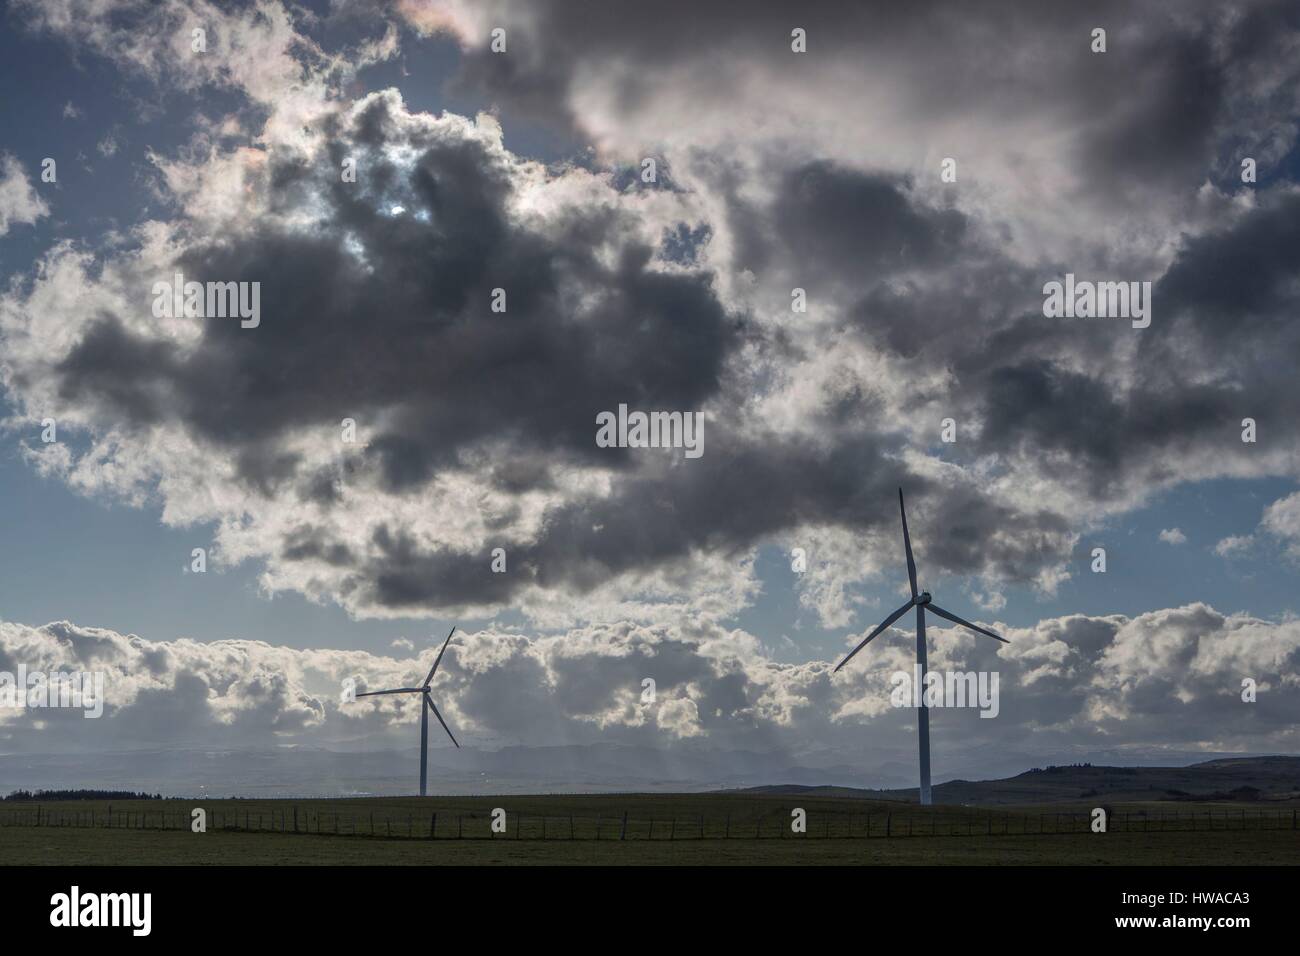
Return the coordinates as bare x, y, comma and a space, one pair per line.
888, 621
434, 708
398, 690
907, 544
956, 620
438, 659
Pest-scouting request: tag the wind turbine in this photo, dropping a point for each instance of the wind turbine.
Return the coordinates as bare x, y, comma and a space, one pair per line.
920, 600
424, 711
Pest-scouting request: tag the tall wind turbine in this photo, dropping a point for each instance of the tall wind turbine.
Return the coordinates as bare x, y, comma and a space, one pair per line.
424, 711
920, 600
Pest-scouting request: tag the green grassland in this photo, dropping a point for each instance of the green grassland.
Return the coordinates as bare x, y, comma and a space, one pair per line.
683, 829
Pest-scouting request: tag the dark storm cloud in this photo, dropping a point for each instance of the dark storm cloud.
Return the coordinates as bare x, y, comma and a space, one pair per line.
842, 223
1067, 394
1225, 348
1159, 101
1151, 100
125, 373
409, 330
406, 330
1092, 439
380, 310
1230, 287
739, 493
724, 502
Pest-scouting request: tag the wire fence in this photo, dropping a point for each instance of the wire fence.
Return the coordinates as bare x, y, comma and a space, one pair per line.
778, 824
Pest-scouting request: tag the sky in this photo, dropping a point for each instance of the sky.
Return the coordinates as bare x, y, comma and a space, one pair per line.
914, 176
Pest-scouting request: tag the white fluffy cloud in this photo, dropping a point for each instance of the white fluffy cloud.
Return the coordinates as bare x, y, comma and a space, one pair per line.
1279, 525
1282, 520
1165, 679
19, 200
1234, 545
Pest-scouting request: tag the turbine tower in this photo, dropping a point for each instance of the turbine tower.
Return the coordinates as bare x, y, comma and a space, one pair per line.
921, 601
424, 711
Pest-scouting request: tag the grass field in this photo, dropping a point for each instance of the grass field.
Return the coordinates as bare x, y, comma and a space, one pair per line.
685, 829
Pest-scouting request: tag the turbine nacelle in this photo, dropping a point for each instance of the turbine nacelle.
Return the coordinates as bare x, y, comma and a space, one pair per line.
923, 597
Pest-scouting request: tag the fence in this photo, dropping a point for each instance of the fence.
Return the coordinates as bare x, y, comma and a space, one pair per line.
946, 822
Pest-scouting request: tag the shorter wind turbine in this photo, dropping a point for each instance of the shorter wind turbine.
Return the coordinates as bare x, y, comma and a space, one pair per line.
429, 705
920, 601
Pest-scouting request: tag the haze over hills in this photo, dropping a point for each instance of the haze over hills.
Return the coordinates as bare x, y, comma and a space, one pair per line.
1248, 779
313, 772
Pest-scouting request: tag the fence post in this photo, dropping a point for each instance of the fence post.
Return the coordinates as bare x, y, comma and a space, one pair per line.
622, 835
433, 826
295, 820
459, 831
889, 824
728, 835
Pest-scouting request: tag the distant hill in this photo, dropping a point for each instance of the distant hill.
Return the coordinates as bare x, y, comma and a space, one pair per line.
610, 768
1243, 779
314, 772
